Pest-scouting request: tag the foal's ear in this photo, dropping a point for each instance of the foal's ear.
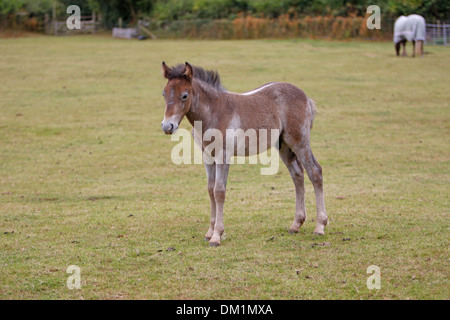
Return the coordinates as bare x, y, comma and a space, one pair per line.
165, 70
188, 72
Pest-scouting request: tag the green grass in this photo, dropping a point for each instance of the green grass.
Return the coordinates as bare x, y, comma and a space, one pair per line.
86, 176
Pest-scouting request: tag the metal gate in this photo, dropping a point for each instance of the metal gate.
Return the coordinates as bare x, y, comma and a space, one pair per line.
438, 34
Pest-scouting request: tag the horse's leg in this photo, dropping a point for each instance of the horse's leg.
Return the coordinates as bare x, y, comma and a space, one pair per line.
414, 49
296, 170
211, 177
420, 48
404, 54
220, 187
314, 171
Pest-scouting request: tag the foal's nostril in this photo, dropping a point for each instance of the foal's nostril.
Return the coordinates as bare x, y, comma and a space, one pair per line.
168, 128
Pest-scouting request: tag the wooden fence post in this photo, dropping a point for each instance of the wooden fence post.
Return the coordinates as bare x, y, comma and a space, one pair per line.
444, 33
93, 21
55, 23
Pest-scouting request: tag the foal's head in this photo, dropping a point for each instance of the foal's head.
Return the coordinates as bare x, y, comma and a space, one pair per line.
178, 95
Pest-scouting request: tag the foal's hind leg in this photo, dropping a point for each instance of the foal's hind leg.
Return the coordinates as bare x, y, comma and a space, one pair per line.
314, 171
296, 170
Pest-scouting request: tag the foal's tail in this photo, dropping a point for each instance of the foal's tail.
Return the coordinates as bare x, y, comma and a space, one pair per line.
312, 107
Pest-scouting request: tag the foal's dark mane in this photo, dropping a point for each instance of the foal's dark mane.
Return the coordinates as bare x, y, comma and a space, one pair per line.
208, 76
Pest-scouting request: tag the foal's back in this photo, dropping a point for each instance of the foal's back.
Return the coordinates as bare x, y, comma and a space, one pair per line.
273, 105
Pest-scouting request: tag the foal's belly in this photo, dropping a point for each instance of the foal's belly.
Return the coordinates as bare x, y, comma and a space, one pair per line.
253, 135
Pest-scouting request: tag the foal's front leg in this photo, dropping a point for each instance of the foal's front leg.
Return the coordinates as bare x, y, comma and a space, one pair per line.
220, 188
211, 177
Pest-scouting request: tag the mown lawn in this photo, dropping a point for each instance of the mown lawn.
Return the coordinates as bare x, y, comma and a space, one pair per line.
86, 177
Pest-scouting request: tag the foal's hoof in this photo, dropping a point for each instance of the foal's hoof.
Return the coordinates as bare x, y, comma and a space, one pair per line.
319, 231
214, 244
295, 228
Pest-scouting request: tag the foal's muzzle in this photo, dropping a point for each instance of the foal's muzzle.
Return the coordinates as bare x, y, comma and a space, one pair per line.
169, 127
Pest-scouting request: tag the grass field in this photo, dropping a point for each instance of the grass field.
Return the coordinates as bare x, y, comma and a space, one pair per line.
86, 177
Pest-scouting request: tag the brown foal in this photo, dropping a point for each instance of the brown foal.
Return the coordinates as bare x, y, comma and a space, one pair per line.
277, 107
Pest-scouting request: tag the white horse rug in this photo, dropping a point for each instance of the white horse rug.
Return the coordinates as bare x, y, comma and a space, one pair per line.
410, 28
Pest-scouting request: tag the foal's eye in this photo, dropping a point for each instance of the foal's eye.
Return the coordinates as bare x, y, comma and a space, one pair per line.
184, 96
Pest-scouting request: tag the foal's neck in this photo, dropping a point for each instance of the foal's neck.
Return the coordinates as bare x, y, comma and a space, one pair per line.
204, 102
